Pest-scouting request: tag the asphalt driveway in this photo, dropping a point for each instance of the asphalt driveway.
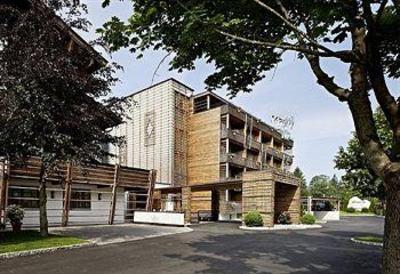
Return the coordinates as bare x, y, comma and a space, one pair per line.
222, 248
107, 234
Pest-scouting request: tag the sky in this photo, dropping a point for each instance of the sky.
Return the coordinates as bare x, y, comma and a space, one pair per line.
322, 123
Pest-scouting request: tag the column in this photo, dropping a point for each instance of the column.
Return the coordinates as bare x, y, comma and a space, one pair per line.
186, 203
258, 194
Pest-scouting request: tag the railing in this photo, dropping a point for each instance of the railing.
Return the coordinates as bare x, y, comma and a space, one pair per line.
99, 174
282, 175
237, 159
238, 136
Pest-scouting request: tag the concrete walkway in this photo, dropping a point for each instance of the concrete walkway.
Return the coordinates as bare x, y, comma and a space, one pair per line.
108, 234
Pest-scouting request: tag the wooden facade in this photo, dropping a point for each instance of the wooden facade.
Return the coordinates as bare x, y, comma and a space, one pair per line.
65, 177
203, 148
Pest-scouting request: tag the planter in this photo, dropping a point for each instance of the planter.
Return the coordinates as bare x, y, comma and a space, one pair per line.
16, 226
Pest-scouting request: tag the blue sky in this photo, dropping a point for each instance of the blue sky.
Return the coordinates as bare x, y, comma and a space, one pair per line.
322, 123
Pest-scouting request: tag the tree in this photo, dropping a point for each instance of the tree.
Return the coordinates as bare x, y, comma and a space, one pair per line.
244, 39
51, 90
322, 186
303, 182
352, 159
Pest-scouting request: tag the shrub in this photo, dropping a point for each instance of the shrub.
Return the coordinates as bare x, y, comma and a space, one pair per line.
376, 206
351, 210
253, 218
365, 210
308, 219
15, 214
284, 218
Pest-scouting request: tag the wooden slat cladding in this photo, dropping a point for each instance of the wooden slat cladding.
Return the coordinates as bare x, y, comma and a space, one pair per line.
203, 146
89, 174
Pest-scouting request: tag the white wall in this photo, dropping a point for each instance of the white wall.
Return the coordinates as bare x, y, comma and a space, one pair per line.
159, 99
98, 213
327, 215
164, 218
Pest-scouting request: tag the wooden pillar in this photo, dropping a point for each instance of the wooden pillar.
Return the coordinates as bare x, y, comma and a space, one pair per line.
3, 192
150, 192
186, 203
208, 102
214, 204
114, 195
67, 196
244, 155
258, 194
309, 204
228, 122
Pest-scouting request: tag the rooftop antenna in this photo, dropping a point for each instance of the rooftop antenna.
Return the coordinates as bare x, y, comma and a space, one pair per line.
284, 123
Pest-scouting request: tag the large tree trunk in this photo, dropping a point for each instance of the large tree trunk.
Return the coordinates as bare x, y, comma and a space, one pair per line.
391, 243
44, 227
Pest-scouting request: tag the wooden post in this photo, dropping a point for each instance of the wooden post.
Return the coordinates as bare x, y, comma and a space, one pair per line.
114, 195
186, 203
3, 193
152, 180
67, 196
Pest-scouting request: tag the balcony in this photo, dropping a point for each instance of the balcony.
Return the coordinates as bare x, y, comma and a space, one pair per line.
237, 159
234, 158
234, 135
238, 137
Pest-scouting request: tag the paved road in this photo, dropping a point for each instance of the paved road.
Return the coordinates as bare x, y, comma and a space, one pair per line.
222, 248
106, 234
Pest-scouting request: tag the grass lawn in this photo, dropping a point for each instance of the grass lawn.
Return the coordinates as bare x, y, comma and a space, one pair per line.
29, 240
371, 239
349, 214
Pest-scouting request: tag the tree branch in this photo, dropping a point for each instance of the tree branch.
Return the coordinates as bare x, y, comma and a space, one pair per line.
326, 81
302, 34
284, 46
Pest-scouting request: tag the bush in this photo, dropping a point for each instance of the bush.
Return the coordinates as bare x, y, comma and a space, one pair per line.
15, 214
253, 218
365, 210
350, 210
376, 206
308, 219
284, 218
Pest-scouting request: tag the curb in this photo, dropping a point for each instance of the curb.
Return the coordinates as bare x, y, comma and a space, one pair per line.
366, 243
10, 255
279, 228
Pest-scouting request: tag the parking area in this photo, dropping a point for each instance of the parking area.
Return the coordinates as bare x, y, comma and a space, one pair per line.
223, 248
107, 234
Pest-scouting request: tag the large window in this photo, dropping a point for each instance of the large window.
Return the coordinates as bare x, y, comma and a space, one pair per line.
80, 199
26, 198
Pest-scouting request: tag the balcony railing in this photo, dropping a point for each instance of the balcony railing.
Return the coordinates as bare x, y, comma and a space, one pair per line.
238, 136
237, 159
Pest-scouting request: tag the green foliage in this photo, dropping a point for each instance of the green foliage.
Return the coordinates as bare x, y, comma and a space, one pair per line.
15, 214
284, 218
308, 219
193, 30
376, 206
303, 182
52, 102
253, 218
365, 210
350, 210
30, 240
370, 239
322, 186
352, 159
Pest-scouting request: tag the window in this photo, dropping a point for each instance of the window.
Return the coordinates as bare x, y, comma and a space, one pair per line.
80, 199
26, 198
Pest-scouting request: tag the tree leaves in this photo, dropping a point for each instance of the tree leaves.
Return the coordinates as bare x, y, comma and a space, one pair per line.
51, 97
